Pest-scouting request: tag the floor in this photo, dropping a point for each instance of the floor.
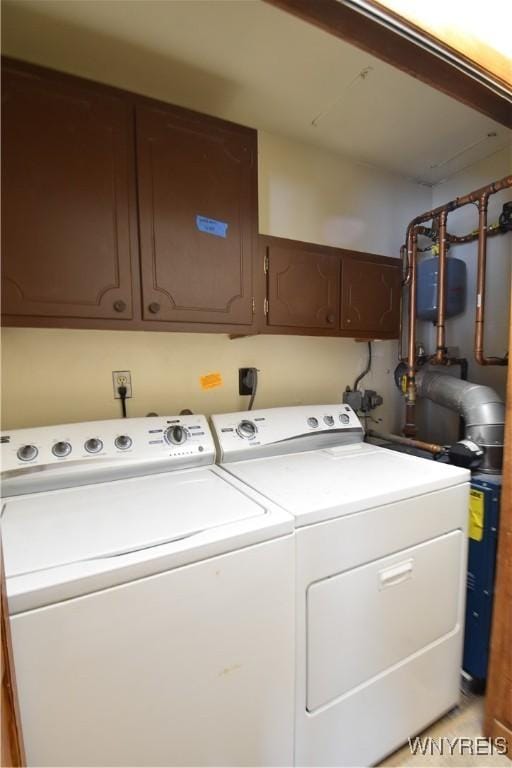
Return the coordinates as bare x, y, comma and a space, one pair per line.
465, 720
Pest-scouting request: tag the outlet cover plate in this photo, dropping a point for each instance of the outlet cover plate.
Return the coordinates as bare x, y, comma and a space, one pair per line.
119, 379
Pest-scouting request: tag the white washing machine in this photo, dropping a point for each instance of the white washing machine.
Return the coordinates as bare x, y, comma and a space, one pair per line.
380, 576
151, 598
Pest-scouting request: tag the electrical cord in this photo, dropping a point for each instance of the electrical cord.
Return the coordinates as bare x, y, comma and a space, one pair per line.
254, 388
122, 394
368, 367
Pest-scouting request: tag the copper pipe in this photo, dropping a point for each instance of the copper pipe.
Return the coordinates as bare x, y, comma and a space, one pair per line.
492, 229
410, 407
419, 444
480, 357
459, 202
405, 281
441, 292
473, 197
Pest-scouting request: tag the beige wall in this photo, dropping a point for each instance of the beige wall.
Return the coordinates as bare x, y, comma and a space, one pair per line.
52, 376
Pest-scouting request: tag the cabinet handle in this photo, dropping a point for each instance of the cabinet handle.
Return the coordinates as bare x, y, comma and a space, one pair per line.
154, 307
331, 318
119, 306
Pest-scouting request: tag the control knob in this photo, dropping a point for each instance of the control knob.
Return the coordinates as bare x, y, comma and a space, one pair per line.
344, 418
312, 422
61, 449
93, 445
329, 420
27, 452
247, 429
123, 442
176, 435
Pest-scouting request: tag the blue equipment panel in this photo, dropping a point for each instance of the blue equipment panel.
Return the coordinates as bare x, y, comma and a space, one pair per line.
483, 536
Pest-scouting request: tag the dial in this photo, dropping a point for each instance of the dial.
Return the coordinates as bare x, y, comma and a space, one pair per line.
123, 442
93, 445
247, 429
344, 418
27, 452
329, 420
176, 435
61, 449
312, 422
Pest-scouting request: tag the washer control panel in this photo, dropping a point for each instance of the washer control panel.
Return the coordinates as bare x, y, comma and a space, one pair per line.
101, 450
275, 431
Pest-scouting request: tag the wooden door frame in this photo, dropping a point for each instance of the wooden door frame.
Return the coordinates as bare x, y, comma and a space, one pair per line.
498, 702
450, 73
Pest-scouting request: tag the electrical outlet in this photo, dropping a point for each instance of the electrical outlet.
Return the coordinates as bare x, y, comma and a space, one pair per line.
122, 379
245, 380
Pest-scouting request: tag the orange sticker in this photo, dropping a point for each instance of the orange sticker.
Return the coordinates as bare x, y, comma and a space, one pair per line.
211, 380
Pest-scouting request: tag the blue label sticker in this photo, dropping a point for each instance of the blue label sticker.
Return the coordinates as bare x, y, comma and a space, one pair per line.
212, 226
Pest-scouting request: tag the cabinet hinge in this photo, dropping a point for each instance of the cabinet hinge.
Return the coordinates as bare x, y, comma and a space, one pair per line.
265, 306
253, 305
265, 264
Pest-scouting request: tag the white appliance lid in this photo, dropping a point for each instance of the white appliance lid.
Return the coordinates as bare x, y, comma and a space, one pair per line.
322, 484
47, 530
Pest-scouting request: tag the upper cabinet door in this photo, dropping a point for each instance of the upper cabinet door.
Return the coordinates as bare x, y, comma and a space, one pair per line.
197, 182
303, 287
370, 295
67, 187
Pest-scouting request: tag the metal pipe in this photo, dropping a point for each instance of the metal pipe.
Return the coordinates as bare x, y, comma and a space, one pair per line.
459, 202
480, 357
411, 240
440, 355
410, 406
481, 407
492, 229
419, 444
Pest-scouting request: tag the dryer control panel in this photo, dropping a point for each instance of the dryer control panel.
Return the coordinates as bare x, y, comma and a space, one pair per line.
273, 431
47, 458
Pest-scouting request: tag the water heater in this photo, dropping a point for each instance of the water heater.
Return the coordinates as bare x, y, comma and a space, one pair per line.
428, 278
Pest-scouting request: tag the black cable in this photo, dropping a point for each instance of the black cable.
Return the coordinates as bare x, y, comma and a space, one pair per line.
122, 394
253, 388
368, 366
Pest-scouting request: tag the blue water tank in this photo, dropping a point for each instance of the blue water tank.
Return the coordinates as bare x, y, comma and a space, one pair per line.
428, 274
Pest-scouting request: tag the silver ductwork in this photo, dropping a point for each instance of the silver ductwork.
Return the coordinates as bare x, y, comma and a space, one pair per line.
481, 408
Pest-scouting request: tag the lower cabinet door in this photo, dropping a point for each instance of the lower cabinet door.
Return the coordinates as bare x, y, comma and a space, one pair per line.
303, 287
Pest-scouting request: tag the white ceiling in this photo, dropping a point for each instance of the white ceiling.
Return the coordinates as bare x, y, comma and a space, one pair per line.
249, 62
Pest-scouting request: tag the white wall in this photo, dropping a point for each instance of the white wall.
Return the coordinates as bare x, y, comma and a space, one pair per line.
52, 376
436, 423
310, 194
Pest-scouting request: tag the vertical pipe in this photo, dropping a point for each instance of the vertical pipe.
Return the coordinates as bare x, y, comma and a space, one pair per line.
483, 233
441, 291
410, 407
405, 281
480, 279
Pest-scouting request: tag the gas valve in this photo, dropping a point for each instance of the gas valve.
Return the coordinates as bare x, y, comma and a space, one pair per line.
362, 401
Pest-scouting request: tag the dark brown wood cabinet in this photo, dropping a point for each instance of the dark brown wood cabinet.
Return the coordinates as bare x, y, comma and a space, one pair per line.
67, 199
197, 186
370, 295
119, 211
303, 284
321, 290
